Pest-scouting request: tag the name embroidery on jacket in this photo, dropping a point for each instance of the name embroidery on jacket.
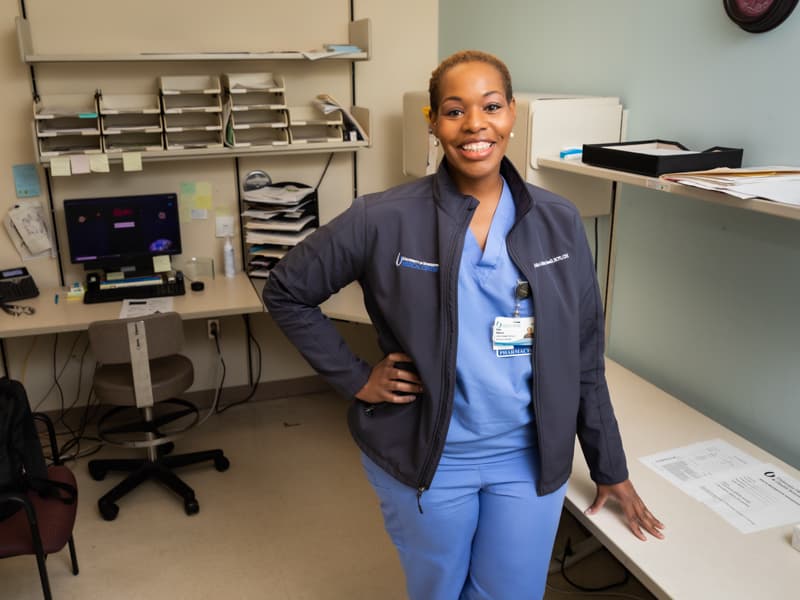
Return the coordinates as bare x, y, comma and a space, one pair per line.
413, 263
550, 261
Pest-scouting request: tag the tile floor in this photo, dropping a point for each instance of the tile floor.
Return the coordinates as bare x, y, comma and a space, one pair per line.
292, 519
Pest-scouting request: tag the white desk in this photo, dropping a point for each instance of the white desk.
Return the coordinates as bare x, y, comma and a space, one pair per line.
702, 557
221, 297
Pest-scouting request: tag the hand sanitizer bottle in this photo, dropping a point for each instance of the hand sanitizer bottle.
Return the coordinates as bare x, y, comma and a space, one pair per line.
227, 252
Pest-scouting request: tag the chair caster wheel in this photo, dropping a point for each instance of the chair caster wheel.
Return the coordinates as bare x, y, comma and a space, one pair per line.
221, 464
192, 507
108, 510
97, 472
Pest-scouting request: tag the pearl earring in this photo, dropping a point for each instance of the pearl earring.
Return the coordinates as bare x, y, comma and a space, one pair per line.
435, 141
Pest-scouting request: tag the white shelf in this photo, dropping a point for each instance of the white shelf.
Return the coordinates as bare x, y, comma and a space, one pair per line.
654, 183
359, 34
199, 153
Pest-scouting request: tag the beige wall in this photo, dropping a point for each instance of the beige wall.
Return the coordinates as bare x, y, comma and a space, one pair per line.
185, 26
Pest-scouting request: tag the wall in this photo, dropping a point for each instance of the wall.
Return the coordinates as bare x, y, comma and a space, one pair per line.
149, 25
705, 297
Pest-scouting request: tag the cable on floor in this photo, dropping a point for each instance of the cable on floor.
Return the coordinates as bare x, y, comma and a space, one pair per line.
218, 401
582, 588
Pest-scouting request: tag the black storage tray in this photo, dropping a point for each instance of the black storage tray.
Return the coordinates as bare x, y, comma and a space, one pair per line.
615, 156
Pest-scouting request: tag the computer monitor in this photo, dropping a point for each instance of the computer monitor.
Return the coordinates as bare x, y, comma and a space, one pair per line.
122, 233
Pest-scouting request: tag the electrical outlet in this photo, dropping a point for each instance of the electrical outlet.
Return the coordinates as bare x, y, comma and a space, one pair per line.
213, 328
224, 226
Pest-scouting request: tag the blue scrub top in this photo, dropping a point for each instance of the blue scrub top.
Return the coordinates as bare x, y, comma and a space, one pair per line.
492, 408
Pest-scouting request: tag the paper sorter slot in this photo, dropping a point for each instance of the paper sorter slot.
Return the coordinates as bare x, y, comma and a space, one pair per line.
315, 133
128, 142
260, 137
193, 84
113, 104
259, 118
67, 126
257, 100
310, 115
239, 83
191, 103
194, 139
65, 105
131, 122
190, 121
70, 144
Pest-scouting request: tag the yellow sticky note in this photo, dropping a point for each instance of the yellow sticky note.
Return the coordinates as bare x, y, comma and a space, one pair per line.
99, 163
161, 264
60, 167
131, 161
202, 202
79, 163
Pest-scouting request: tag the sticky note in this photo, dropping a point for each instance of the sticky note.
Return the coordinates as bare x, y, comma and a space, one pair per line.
161, 264
79, 163
131, 161
99, 163
26, 181
60, 167
187, 188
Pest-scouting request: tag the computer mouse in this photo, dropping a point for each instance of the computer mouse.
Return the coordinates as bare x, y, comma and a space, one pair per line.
197, 286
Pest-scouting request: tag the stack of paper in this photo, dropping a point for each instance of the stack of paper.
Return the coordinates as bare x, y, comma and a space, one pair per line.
26, 225
278, 217
779, 184
328, 104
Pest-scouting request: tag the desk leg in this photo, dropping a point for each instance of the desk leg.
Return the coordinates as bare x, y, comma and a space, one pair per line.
612, 251
247, 335
3, 356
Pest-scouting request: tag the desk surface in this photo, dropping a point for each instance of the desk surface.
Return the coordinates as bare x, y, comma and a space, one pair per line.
703, 556
222, 296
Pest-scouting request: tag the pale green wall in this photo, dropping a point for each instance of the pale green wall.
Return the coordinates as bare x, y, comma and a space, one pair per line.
706, 299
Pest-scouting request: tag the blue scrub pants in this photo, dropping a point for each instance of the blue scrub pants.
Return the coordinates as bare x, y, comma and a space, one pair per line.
483, 534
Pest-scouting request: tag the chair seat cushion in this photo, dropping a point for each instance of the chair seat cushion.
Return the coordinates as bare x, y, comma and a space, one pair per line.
56, 520
170, 376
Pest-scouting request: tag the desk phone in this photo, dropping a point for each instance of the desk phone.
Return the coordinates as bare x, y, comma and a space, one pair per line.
16, 284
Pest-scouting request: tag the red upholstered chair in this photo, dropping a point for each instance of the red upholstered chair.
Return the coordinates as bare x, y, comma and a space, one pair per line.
44, 525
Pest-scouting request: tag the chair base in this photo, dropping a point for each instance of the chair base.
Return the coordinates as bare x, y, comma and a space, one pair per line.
160, 470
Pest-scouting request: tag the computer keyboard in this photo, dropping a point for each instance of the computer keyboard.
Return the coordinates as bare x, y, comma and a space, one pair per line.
94, 295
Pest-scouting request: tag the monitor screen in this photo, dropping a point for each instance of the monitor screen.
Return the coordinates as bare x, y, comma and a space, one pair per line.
124, 232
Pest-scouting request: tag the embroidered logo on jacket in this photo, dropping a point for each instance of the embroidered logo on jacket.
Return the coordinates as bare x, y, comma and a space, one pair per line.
413, 263
550, 261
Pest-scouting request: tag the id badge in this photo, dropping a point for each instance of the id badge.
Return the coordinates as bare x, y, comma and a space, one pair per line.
512, 336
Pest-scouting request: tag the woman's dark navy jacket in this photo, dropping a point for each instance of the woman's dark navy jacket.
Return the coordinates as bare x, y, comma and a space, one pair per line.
404, 247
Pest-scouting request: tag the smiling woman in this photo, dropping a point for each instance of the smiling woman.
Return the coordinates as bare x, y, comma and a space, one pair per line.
467, 426
758, 16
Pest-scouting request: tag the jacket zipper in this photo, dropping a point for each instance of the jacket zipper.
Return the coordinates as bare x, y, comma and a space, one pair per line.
535, 390
450, 358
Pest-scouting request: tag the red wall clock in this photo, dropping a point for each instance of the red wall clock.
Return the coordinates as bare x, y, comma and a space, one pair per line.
758, 16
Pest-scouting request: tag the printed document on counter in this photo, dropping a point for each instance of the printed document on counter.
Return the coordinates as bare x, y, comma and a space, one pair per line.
747, 493
145, 306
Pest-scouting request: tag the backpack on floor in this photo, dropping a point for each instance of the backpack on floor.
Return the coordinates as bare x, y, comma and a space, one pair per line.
22, 464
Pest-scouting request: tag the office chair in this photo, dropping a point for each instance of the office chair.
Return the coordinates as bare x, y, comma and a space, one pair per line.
44, 525
140, 371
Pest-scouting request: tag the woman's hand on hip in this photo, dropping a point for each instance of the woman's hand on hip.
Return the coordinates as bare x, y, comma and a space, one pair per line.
388, 383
